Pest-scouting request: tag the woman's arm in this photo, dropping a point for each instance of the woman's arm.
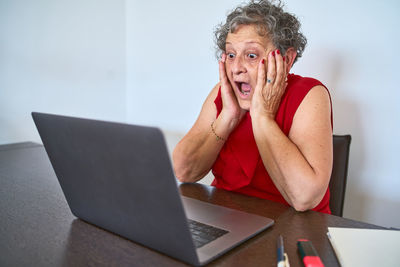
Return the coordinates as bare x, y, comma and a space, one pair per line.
195, 154
300, 165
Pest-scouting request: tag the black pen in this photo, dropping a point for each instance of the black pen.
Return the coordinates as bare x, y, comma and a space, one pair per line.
282, 258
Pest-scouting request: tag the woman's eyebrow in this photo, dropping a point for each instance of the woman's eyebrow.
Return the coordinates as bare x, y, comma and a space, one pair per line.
248, 42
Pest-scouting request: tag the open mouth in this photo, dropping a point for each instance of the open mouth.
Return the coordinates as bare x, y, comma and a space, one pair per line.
244, 88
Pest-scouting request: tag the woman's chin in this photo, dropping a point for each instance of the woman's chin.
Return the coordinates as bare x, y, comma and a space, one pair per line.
244, 104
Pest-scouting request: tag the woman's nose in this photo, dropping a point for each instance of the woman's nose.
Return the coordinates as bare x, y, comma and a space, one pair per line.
238, 66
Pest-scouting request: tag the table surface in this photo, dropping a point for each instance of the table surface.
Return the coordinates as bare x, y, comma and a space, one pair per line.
37, 227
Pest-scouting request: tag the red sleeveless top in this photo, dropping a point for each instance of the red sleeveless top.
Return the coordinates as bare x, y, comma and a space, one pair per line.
239, 166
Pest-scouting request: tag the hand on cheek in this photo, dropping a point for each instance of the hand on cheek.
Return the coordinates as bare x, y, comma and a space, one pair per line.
271, 85
231, 109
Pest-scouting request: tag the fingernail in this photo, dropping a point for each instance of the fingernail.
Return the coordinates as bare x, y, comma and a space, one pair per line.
262, 61
278, 52
284, 58
273, 53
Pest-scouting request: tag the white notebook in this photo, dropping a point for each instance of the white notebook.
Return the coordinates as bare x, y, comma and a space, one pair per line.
365, 247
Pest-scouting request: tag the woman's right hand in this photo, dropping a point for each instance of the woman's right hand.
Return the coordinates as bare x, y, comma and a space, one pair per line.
231, 112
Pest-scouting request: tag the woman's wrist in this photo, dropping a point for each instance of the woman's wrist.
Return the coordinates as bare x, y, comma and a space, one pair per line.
223, 126
228, 120
262, 118
217, 136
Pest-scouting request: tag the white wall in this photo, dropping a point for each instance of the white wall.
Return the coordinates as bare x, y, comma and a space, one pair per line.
170, 60
153, 63
64, 57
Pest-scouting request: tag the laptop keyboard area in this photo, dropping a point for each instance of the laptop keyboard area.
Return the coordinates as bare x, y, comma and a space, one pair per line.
203, 234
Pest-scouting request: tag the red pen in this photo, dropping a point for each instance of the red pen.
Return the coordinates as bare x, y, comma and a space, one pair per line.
308, 254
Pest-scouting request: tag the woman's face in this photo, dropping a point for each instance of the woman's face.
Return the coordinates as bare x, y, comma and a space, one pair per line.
244, 49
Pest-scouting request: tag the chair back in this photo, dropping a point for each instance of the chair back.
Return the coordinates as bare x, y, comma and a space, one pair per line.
337, 184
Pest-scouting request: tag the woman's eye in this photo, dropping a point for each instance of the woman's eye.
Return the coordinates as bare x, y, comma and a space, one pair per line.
252, 56
231, 55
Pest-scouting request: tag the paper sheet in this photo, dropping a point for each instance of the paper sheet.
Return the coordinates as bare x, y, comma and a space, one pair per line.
365, 247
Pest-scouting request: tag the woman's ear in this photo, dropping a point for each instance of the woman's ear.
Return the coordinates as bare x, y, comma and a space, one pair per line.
290, 56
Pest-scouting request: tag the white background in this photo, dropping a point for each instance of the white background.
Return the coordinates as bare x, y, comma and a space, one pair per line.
153, 63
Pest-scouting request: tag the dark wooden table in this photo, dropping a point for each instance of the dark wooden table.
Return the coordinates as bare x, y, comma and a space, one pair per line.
38, 229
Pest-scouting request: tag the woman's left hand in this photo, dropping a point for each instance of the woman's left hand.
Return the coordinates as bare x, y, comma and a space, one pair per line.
269, 88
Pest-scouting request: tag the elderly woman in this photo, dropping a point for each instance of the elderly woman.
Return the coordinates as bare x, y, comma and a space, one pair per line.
262, 131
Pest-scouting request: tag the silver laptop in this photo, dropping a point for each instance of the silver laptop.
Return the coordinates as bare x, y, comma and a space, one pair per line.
119, 177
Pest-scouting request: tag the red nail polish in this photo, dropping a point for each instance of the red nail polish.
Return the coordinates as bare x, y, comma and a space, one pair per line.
262, 61
278, 52
273, 53
284, 58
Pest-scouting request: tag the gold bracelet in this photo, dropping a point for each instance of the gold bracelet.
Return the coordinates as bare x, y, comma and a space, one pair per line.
216, 135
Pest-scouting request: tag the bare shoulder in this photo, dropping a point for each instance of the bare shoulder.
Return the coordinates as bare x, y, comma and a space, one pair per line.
311, 129
208, 111
317, 96
314, 111
212, 95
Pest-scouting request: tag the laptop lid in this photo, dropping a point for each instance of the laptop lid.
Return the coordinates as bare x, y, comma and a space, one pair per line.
103, 169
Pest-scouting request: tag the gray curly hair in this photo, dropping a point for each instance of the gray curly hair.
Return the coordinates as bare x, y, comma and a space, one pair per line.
282, 28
